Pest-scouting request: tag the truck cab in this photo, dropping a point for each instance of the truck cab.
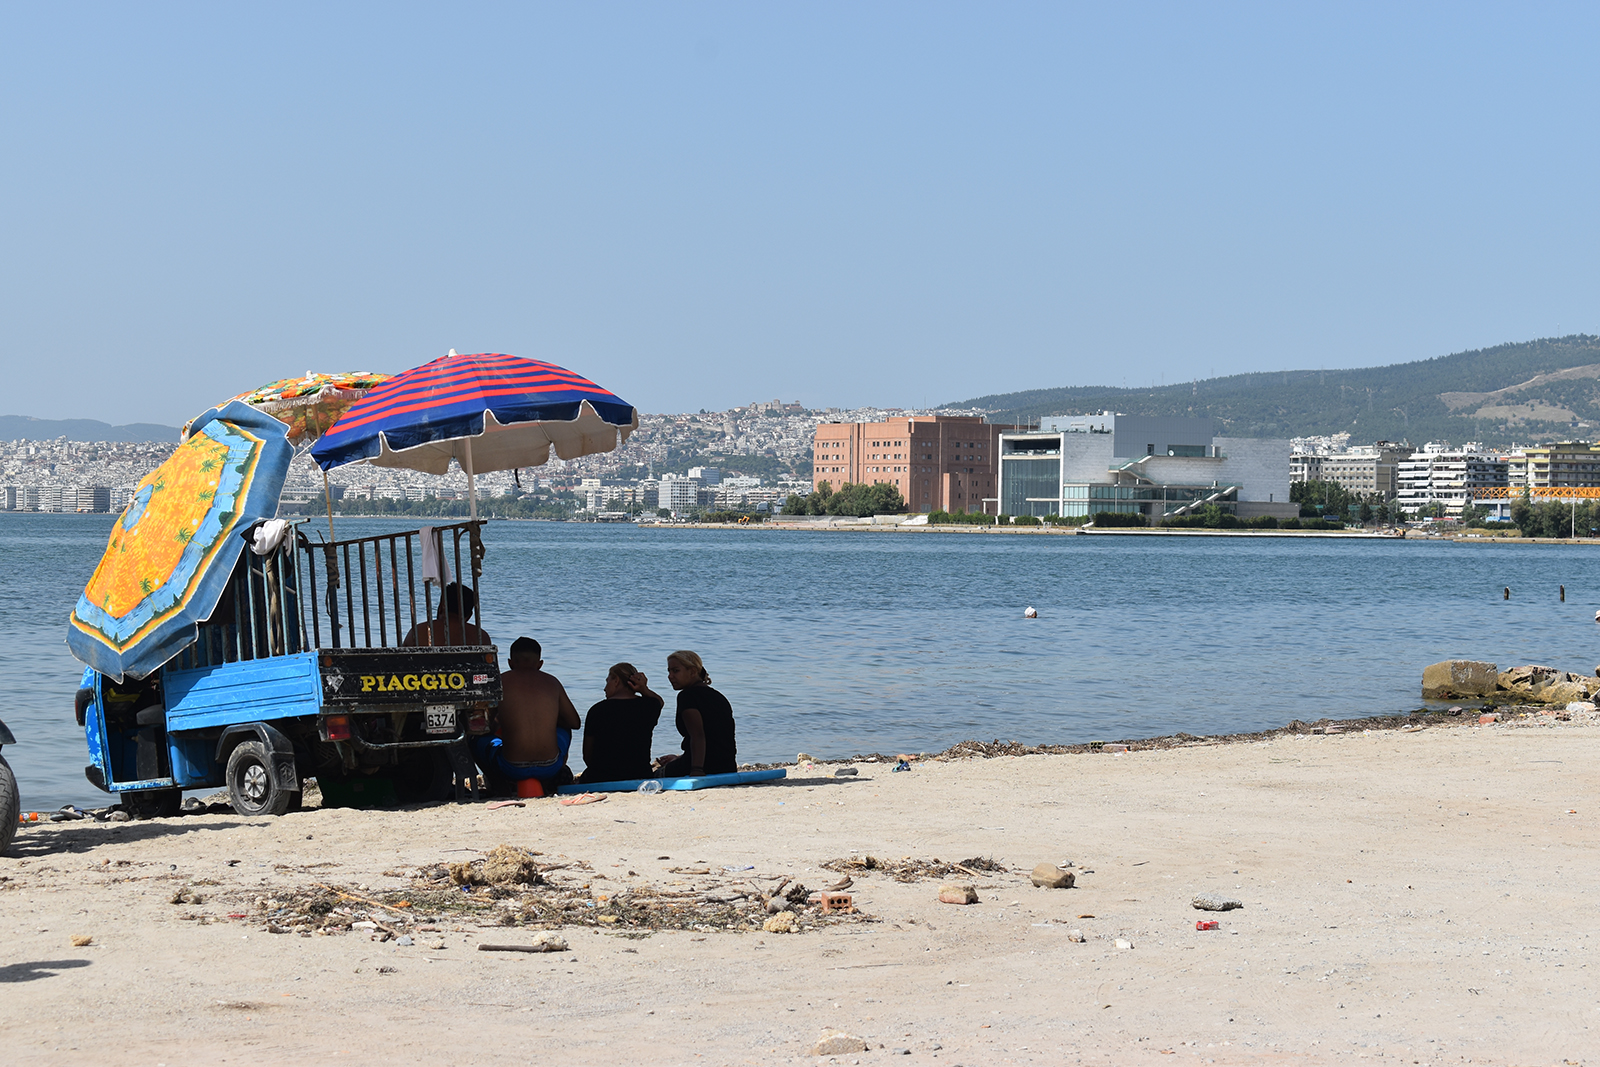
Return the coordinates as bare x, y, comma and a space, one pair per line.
327, 660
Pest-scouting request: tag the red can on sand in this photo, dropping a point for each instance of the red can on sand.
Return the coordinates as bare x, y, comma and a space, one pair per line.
1204, 925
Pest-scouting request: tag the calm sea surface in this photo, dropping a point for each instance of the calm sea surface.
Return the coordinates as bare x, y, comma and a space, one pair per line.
843, 643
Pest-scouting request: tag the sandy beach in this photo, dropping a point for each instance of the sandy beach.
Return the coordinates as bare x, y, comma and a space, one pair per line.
1417, 896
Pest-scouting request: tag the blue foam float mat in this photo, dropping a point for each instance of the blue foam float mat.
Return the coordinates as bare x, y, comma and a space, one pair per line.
704, 781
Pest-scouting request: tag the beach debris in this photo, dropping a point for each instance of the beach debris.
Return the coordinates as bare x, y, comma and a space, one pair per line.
958, 894
186, 895
542, 942
1206, 924
1049, 876
845, 772
118, 816
501, 865
403, 941
1216, 902
797, 894
1108, 747
1485, 720
836, 1043
1124, 943
1076, 934
1585, 706
1029, 613
913, 870
81, 940
784, 922
904, 763
842, 884
832, 902
805, 757
1452, 679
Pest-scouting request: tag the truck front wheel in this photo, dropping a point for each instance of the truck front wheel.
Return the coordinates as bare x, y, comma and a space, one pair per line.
252, 789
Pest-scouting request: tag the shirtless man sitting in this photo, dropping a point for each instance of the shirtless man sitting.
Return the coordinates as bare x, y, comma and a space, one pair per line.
532, 727
452, 627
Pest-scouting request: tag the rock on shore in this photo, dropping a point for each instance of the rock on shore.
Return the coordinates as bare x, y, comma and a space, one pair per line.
1456, 679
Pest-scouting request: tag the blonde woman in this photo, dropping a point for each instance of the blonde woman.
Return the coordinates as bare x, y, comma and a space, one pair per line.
705, 719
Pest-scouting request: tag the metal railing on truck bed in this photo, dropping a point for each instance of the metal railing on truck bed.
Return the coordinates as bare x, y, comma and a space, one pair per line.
358, 593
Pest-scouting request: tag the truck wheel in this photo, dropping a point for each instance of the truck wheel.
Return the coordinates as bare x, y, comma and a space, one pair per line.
10, 805
252, 789
152, 803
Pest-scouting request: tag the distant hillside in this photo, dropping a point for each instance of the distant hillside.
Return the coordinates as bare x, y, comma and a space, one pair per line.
13, 427
1536, 390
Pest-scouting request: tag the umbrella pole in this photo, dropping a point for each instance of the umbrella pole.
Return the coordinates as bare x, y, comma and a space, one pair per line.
327, 498
472, 486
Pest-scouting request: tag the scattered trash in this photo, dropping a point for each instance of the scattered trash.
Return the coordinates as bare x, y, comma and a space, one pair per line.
739, 867
1204, 924
1113, 748
903, 765
1049, 876
837, 1043
81, 940
805, 757
910, 870
1213, 902
649, 787
785, 922
842, 884
186, 895
845, 772
388, 970
1123, 943
501, 865
1076, 935
366, 924
544, 942
958, 894
404, 941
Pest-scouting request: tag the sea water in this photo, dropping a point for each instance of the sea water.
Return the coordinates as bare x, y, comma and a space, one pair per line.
844, 643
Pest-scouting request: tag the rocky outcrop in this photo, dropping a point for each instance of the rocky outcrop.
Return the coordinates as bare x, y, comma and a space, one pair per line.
1454, 679
1459, 679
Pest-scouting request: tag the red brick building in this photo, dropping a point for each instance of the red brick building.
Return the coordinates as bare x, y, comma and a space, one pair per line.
938, 462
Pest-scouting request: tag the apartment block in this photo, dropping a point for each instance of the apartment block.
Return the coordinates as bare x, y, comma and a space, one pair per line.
1570, 463
1451, 477
938, 462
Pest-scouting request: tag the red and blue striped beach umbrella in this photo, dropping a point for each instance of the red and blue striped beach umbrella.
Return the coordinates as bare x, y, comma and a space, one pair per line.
487, 411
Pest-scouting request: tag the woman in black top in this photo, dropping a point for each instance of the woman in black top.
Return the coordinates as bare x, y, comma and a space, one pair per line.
616, 732
705, 720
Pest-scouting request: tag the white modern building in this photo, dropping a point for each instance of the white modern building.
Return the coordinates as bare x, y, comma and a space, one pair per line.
1154, 466
678, 494
1440, 474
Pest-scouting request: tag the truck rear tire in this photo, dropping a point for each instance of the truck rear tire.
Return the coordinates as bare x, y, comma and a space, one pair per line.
252, 788
152, 803
10, 805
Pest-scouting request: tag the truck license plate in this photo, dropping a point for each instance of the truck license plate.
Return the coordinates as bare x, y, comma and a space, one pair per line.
439, 719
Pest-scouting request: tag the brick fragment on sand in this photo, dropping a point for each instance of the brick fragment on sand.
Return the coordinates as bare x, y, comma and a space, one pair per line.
1216, 902
1049, 876
837, 1043
1485, 720
957, 894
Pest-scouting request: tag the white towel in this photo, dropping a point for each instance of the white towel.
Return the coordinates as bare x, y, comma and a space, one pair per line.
267, 536
435, 567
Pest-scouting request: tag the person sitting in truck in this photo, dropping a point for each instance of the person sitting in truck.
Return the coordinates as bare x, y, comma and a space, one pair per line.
453, 626
617, 731
531, 728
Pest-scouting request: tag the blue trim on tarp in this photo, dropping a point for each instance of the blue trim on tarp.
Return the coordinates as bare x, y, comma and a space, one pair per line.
704, 781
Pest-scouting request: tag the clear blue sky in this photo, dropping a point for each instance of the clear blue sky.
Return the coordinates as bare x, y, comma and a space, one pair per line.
699, 205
